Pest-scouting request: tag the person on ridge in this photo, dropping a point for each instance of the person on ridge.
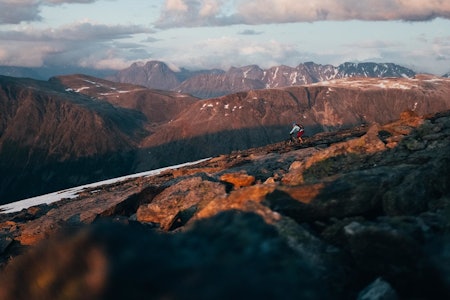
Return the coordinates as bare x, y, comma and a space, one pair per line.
297, 131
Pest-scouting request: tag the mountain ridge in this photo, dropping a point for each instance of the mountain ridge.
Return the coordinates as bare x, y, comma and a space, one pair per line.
213, 83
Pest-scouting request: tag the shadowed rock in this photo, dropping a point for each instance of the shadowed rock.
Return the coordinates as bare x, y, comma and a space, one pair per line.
231, 256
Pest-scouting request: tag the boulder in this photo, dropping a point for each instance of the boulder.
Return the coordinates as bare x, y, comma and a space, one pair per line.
188, 195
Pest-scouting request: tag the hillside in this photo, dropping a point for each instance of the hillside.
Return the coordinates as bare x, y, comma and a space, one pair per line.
158, 106
77, 129
73, 130
360, 213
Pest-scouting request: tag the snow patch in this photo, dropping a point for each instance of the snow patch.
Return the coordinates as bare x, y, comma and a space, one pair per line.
82, 89
205, 105
73, 193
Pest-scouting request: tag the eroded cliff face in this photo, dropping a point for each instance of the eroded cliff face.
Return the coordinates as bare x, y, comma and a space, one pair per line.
344, 215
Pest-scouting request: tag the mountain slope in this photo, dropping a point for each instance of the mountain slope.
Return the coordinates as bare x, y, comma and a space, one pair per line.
44, 130
159, 106
73, 130
319, 107
37, 114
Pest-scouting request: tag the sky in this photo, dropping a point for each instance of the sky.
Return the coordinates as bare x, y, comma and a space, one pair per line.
205, 34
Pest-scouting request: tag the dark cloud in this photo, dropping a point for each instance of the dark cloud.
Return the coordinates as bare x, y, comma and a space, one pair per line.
14, 13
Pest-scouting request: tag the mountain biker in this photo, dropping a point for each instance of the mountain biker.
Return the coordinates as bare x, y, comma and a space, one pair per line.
297, 130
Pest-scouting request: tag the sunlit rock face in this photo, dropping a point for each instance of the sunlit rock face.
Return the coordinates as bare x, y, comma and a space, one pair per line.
344, 215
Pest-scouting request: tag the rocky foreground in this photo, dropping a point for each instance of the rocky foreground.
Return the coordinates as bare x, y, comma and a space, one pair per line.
357, 214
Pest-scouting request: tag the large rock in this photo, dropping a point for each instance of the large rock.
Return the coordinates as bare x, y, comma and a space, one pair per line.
178, 203
231, 256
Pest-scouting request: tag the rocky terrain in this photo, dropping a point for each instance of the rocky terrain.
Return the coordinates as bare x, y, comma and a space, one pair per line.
216, 83
361, 213
72, 130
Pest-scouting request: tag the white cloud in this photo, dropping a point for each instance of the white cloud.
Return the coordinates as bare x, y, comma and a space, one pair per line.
176, 5
180, 13
210, 8
75, 44
110, 60
81, 31
26, 54
213, 12
224, 52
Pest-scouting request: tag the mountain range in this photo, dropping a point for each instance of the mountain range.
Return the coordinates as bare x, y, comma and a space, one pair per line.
72, 130
215, 83
208, 83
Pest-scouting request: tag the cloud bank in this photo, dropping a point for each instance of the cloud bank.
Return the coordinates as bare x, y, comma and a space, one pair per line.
192, 13
83, 44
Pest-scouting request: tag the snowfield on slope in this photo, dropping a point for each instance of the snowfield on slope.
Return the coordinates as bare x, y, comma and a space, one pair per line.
72, 193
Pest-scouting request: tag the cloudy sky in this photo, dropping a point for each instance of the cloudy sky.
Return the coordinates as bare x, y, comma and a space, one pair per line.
198, 34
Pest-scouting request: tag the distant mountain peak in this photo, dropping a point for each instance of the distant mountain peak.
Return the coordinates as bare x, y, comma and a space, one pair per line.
214, 83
